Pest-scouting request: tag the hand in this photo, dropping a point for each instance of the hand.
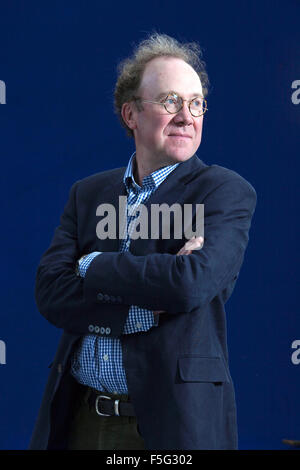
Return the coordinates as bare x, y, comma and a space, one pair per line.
194, 243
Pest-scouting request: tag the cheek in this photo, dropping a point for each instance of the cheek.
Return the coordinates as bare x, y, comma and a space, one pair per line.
154, 126
198, 130
159, 128
162, 123
166, 125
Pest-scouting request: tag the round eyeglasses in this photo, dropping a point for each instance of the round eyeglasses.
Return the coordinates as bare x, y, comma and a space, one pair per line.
173, 103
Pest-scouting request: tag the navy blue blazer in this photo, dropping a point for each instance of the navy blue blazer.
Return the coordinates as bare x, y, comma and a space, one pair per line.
177, 373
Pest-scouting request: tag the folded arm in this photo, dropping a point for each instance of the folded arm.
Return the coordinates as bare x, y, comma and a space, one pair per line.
59, 291
179, 284
158, 282
138, 319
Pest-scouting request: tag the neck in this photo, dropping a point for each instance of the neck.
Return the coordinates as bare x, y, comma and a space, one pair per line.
142, 168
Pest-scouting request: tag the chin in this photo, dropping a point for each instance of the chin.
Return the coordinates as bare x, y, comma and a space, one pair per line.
180, 153
179, 156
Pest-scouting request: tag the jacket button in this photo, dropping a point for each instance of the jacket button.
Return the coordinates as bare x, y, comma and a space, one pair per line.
91, 328
107, 330
106, 298
102, 330
100, 296
96, 329
112, 298
119, 299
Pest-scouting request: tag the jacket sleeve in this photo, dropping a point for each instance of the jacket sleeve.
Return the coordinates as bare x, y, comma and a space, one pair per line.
178, 284
59, 291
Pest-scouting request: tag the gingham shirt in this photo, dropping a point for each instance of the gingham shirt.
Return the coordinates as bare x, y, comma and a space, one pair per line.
98, 360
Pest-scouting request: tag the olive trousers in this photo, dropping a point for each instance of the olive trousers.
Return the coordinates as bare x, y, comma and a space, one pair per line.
89, 431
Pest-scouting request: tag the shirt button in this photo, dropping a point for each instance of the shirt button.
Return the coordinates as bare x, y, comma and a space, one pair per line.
105, 357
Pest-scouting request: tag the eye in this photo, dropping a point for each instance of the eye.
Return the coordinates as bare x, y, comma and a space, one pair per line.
171, 100
172, 97
172, 103
197, 102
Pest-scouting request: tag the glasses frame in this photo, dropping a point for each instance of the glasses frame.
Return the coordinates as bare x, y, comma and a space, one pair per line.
137, 98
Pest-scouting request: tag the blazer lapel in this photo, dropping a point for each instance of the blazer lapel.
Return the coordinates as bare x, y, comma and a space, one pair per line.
172, 190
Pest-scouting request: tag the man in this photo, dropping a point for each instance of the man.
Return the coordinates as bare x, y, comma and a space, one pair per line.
143, 360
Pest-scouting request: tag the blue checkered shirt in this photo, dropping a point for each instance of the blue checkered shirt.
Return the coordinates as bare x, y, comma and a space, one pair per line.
98, 360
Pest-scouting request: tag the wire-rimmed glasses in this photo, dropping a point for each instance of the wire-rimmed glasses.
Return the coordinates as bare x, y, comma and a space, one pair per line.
173, 103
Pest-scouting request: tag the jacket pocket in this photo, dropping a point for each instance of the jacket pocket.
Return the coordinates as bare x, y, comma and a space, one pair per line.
202, 369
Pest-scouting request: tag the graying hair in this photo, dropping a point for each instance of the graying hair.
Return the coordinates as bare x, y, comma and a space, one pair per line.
156, 45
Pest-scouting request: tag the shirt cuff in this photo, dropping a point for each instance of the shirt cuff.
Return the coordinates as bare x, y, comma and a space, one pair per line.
139, 319
86, 261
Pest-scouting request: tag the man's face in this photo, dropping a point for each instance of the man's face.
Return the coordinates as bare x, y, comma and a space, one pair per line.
160, 137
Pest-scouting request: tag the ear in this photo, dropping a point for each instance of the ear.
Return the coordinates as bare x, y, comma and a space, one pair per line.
128, 113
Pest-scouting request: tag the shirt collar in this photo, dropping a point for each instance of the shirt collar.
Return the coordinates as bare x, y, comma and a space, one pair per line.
151, 181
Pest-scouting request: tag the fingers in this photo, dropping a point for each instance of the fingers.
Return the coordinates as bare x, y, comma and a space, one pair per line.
183, 251
195, 243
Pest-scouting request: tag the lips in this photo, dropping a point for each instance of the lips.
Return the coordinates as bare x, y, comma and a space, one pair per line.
181, 135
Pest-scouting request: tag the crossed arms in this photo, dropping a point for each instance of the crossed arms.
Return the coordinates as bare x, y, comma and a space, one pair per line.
83, 263
158, 281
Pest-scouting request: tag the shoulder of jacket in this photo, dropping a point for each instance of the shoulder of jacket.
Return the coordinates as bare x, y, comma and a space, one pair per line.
103, 178
222, 175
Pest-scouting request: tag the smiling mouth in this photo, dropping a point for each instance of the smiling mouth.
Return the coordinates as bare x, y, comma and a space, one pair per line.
181, 136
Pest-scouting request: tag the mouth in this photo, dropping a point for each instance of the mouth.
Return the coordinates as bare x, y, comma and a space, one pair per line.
181, 136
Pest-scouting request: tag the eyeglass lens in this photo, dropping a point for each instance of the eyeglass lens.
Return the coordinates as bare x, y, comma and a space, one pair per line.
174, 103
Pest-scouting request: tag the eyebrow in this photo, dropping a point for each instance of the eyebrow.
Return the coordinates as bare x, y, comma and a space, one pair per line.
166, 93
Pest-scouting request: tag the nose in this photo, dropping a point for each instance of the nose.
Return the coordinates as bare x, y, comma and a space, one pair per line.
184, 117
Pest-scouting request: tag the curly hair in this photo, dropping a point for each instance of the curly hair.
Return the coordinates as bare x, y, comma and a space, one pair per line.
156, 45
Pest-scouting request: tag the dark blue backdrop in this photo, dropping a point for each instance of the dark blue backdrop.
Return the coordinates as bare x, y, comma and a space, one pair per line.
58, 62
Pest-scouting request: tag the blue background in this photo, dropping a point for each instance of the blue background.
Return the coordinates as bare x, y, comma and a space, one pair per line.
58, 61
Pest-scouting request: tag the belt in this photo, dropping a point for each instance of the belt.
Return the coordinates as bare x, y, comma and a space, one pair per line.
108, 406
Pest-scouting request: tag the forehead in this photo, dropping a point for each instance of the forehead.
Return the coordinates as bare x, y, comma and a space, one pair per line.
164, 74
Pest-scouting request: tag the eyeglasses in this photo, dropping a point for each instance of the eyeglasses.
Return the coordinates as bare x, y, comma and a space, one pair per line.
173, 103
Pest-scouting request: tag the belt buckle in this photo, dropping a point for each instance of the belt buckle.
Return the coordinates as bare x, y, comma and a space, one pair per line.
116, 405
